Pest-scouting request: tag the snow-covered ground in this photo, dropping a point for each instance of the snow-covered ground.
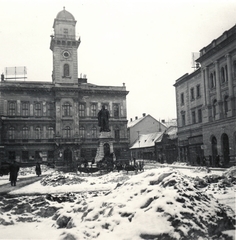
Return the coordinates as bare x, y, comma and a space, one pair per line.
159, 203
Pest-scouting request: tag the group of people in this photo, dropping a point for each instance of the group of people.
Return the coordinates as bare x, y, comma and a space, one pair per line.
14, 170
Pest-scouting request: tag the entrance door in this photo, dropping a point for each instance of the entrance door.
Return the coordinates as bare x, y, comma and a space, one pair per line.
225, 148
67, 156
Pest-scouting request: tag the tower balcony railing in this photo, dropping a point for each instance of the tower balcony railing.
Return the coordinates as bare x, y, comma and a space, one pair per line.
65, 36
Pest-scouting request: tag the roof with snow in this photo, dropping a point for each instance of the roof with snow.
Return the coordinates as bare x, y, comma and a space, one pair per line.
147, 140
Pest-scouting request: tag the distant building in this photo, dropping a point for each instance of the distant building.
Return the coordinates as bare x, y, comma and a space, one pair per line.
143, 125
206, 104
56, 121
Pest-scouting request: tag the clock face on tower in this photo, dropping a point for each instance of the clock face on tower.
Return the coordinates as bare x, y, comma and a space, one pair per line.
66, 54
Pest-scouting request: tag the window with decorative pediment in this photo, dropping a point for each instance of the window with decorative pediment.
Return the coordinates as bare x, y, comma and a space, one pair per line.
67, 132
38, 109
66, 109
11, 133
25, 108
82, 110
12, 108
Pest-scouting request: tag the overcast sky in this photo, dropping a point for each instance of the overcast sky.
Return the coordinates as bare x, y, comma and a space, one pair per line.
146, 44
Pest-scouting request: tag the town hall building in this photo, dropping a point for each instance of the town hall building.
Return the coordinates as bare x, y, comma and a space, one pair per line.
56, 121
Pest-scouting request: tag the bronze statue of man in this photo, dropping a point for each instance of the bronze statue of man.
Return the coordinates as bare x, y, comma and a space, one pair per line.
103, 120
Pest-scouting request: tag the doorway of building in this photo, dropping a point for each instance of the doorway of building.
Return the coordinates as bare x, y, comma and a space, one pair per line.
225, 148
214, 149
68, 157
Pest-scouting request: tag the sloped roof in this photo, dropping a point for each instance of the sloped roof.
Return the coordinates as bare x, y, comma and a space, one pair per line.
172, 132
134, 122
147, 140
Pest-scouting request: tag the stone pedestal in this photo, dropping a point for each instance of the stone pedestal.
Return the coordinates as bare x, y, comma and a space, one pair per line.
104, 138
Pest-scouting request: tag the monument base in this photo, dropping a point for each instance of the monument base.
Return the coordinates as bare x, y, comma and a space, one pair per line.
105, 140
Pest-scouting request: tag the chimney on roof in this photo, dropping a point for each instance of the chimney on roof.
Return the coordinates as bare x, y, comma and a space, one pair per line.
131, 119
144, 114
163, 121
136, 118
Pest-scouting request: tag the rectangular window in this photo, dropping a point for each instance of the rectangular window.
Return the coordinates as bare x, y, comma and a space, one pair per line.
12, 108
192, 94
37, 109
50, 132
182, 98
67, 110
82, 132
65, 30
199, 115
116, 110
50, 155
198, 91
25, 133
25, 108
193, 117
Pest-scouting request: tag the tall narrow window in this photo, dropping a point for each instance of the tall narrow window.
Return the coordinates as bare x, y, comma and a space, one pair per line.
25, 108
198, 91
82, 132
212, 80
234, 68
66, 70
192, 93
37, 109
182, 98
50, 132
183, 119
226, 109
94, 132
116, 110
117, 134
25, 133
193, 117
37, 131
50, 109
93, 110
222, 75
12, 108
66, 109
11, 133
199, 115
67, 132
81, 110
214, 108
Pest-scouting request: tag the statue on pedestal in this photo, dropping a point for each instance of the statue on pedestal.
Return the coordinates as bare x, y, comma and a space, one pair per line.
103, 120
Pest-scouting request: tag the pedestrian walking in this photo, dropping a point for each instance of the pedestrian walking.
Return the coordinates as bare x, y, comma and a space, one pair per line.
38, 169
14, 169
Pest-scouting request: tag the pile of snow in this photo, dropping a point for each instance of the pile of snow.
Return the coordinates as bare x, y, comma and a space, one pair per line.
156, 204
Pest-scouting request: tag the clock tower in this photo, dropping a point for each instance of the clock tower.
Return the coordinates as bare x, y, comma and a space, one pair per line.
64, 47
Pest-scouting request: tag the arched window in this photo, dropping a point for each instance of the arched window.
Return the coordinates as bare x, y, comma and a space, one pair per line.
37, 131
214, 108
226, 100
50, 132
25, 133
81, 110
11, 133
66, 70
67, 132
94, 132
66, 109
222, 75
93, 110
82, 132
212, 80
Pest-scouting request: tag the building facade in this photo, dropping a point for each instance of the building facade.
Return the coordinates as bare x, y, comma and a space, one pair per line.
143, 125
206, 104
56, 121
